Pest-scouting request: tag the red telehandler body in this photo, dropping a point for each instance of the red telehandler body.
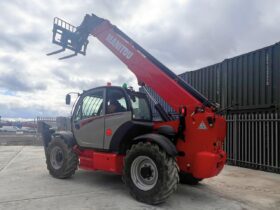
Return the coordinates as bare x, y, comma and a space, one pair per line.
112, 127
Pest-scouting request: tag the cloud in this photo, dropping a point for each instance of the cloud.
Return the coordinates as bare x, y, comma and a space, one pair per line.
20, 83
183, 34
205, 32
84, 83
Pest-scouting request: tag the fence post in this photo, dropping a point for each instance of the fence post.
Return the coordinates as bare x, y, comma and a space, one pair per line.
234, 142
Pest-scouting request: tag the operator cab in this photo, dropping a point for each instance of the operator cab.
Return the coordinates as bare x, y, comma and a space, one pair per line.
102, 112
122, 99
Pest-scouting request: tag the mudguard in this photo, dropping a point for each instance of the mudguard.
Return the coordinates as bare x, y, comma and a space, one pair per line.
48, 133
67, 136
161, 140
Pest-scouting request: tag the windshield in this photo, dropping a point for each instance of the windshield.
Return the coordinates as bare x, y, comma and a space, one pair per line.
140, 108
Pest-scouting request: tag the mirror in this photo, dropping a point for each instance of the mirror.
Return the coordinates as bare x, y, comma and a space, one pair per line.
68, 99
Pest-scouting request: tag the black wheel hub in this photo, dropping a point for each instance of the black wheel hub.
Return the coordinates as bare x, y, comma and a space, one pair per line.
59, 157
146, 172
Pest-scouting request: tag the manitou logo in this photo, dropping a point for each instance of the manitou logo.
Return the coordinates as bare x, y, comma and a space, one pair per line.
119, 46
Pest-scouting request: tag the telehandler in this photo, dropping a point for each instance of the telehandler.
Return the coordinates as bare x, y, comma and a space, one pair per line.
112, 128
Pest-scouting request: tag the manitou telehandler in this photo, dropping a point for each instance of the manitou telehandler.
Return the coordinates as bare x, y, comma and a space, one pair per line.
112, 127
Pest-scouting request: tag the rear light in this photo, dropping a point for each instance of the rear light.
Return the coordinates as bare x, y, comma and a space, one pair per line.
183, 111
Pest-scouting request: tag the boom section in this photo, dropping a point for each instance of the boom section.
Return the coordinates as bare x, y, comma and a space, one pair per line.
148, 70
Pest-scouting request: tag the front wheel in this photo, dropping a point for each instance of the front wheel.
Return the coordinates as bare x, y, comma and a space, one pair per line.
62, 162
150, 174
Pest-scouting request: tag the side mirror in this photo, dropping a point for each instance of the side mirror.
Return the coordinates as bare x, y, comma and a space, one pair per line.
68, 99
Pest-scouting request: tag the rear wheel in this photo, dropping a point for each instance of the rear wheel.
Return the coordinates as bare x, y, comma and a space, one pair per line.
150, 174
186, 178
62, 162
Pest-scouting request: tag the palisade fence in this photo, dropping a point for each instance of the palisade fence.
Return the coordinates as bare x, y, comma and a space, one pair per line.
253, 140
58, 123
48, 120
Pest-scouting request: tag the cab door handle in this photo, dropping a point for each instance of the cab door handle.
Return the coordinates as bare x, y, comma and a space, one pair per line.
77, 126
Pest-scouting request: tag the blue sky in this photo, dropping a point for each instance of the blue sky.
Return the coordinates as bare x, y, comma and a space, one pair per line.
183, 34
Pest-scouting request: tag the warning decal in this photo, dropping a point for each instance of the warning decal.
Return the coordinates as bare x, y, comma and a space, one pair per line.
202, 126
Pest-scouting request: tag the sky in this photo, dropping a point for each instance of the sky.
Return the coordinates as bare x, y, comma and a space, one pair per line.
183, 34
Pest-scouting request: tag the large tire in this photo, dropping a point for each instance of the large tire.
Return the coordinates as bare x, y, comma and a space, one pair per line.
61, 161
186, 178
150, 174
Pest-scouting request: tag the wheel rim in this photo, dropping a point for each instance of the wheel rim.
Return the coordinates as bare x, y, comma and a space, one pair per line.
144, 173
56, 157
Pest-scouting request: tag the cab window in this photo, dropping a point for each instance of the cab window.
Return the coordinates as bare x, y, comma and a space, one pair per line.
140, 108
92, 105
116, 101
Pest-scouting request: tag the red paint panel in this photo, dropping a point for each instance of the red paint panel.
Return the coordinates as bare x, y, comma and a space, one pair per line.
208, 164
92, 160
200, 141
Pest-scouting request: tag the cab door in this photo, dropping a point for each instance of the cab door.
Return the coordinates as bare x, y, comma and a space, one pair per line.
88, 119
116, 117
